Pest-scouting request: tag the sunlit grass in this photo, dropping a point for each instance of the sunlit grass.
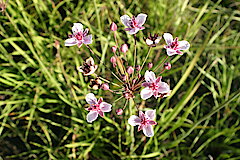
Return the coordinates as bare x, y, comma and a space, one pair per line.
42, 93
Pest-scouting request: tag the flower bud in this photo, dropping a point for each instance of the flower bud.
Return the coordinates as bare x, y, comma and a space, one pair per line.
105, 86
113, 59
167, 66
150, 65
130, 70
113, 26
119, 111
114, 49
124, 48
138, 67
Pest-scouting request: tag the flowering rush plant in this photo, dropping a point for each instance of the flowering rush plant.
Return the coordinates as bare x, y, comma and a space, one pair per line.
135, 80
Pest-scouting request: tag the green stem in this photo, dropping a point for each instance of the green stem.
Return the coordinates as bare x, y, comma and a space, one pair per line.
145, 59
131, 107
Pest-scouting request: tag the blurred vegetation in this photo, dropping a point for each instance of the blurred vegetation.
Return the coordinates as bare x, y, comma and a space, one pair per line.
43, 95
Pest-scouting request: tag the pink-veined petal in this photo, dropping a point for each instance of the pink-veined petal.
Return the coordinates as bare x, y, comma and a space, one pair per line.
70, 42
133, 31
171, 52
163, 88
146, 84
146, 93
140, 127
92, 116
159, 79
149, 76
183, 45
150, 114
151, 122
105, 107
77, 27
87, 39
168, 38
79, 44
91, 99
134, 120
125, 19
141, 115
148, 130
101, 113
141, 18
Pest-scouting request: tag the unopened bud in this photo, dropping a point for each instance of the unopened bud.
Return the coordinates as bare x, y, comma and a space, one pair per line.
167, 66
124, 48
114, 49
119, 111
124, 77
150, 65
113, 59
130, 70
113, 26
138, 67
105, 86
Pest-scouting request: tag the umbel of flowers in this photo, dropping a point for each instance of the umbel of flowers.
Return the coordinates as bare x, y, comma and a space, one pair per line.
132, 82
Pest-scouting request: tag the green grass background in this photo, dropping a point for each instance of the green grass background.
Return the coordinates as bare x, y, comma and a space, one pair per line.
42, 94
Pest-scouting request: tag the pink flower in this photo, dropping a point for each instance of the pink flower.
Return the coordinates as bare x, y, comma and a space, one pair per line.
144, 122
174, 46
79, 36
96, 107
134, 24
154, 86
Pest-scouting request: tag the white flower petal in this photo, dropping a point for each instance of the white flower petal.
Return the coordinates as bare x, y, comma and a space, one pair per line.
150, 114
105, 107
171, 52
183, 45
168, 38
125, 19
141, 18
91, 99
70, 42
77, 27
149, 76
146, 93
134, 120
87, 39
90, 61
133, 30
163, 88
148, 130
92, 116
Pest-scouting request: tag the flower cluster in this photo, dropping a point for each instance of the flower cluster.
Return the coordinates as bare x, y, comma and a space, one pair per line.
132, 82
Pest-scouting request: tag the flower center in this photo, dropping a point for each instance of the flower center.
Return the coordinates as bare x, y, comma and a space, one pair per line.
95, 107
153, 86
174, 44
144, 121
133, 22
79, 36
